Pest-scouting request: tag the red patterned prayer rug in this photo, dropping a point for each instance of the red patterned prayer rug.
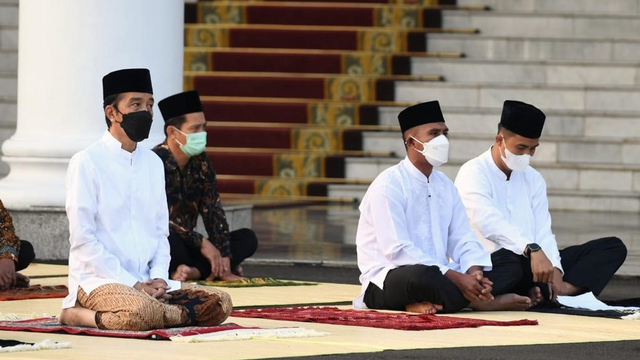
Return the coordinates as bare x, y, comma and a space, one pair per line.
35, 292
51, 325
370, 318
224, 332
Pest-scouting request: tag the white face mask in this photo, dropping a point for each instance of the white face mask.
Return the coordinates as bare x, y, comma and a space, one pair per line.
435, 151
515, 162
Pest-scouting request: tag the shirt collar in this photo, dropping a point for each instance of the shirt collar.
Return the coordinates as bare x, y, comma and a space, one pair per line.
493, 167
167, 157
115, 146
413, 170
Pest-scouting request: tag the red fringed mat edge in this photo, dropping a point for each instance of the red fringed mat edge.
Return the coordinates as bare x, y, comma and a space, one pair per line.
51, 325
371, 318
35, 292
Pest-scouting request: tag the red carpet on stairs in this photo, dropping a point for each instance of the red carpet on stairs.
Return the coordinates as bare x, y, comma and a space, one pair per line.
320, 113
298, 62
315, 14
300, 37
307, 138
274, 187
340, 87
289, 87
285, 165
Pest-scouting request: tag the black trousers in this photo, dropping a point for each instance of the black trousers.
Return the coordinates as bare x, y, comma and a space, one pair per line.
590, 266
26, 255
419, 283
412, 284
243, 244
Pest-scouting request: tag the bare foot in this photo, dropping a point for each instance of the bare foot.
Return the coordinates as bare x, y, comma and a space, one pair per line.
568, 289
536, 296
423, 308
231, 277
504, 302
237, 271
185, 273
22, 281
78, 316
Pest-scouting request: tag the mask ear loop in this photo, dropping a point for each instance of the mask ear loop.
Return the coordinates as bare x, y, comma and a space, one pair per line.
504, 144
174, 138
117, 110
421, 143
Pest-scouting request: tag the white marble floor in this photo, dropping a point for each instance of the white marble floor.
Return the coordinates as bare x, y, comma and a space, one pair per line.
327, 233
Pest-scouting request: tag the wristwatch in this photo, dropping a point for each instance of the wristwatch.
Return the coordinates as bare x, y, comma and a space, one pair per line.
11, 256
533, 247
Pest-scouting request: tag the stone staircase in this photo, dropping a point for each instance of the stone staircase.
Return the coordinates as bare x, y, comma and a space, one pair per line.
577, 60
8, 72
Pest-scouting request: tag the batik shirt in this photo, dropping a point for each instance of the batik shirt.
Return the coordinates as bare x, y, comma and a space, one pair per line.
192, 191
9, 242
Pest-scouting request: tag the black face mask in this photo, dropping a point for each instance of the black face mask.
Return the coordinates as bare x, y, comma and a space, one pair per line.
136, 125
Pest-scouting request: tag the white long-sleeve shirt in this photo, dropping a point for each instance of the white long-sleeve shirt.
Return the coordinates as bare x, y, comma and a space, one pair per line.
408, 219
507, 213
118, 218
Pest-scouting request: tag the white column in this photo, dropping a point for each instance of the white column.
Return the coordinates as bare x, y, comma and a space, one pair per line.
65, 48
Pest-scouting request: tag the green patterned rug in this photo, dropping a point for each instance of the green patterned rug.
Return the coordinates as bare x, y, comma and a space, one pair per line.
253, 282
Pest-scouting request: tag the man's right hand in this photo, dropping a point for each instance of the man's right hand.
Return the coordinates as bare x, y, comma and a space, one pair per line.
470, 287
541, 267
155, 288
212, 254
7, 274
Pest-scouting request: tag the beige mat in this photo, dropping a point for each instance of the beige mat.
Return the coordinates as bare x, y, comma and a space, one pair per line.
50, 281
45, 270
553, 328
347, 339
257, 296
342, 339
293, 295
270, 296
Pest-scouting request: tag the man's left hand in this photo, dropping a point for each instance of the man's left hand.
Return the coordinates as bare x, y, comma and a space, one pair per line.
557, 287
478, 274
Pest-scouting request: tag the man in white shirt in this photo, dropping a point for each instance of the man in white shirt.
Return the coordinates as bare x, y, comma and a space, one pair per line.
506, 202
118, 225
416, 250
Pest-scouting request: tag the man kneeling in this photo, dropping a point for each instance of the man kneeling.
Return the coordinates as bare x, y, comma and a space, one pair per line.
118, 225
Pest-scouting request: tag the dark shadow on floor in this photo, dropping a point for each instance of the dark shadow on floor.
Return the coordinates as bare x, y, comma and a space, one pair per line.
583, 351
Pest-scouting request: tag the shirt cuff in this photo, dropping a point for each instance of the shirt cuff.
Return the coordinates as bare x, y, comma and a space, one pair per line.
158, 273
128, 279
557, 264
444, 269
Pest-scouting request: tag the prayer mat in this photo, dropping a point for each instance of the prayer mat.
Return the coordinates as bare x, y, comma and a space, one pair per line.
371, 318
563, 310
7, 346
254, 282
51, 325
35, 292
610, 314
224, 332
